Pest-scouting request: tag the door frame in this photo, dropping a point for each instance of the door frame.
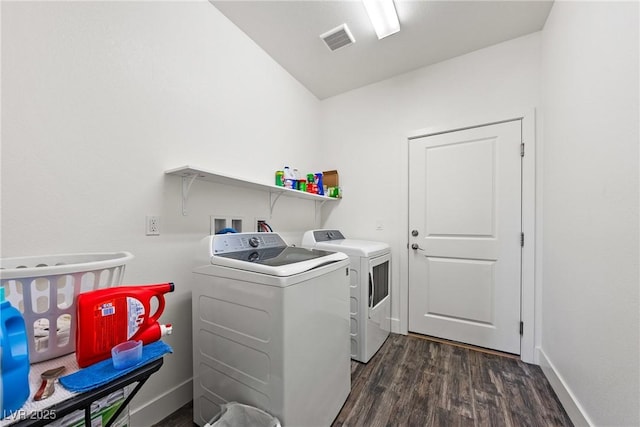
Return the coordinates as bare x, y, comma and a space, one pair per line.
528, 291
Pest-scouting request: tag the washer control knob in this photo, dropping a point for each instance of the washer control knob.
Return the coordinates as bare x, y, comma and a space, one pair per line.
254, 256
254, 242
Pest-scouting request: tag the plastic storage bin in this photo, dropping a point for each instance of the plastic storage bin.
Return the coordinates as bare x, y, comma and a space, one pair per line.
44, 290
234, 414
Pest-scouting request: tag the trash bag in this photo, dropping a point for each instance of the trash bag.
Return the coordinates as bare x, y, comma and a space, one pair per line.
235, 414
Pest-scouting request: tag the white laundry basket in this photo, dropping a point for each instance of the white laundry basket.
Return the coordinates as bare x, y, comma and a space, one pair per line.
44, 289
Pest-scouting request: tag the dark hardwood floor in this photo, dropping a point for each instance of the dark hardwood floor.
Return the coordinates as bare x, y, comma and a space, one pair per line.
413, 381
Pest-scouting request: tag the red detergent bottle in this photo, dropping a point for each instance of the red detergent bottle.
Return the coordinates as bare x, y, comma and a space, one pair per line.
108, 317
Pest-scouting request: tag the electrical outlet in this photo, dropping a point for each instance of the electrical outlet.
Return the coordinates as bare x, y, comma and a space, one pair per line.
153, 225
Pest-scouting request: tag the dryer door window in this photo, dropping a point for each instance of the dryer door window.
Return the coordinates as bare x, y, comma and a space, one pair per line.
379, 280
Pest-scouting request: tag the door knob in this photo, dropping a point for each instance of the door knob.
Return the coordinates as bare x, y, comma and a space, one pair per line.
415, 246
414, 233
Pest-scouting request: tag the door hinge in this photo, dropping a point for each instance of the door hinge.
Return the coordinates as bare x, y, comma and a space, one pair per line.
521, 239
521, 328
522, 149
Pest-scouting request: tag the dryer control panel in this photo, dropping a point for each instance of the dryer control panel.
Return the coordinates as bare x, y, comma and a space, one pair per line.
237, 242
327, 235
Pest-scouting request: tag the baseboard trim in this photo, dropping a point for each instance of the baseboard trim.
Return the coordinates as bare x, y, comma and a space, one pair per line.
567, 398
162, 406
395, 326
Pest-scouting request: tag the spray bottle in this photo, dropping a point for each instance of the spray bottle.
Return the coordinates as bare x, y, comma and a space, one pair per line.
108, 317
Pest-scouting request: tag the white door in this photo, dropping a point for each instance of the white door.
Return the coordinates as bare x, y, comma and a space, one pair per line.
464, 236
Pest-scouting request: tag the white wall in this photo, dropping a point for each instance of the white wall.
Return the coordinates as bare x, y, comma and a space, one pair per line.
99, 99
365, 132
591, 326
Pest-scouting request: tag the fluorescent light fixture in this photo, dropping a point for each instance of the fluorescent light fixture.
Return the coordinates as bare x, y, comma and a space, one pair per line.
383, 16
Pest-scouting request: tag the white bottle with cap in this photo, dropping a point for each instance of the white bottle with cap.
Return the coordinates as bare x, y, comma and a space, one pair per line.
289, 177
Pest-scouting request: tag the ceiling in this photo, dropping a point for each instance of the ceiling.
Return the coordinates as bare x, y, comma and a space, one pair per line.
430, 32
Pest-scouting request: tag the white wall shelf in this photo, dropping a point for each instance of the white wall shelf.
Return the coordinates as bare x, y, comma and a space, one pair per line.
191, 173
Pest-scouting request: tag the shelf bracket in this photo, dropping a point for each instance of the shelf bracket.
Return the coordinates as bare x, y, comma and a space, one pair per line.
272, 201
319, 204
318, 209
187, 182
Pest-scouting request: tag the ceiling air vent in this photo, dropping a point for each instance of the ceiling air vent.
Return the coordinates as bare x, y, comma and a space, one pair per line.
338, 37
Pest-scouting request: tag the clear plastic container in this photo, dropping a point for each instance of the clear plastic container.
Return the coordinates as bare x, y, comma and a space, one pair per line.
126, 354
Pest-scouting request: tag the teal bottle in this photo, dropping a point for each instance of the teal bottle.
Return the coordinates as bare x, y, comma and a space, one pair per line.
14, 357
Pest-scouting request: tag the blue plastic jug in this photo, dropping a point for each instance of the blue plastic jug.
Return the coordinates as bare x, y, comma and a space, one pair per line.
14, 359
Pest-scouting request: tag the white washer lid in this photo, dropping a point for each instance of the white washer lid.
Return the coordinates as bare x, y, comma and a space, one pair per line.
285, 270
265, 253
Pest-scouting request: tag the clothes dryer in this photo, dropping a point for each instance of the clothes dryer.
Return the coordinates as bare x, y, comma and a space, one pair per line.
370, 284
270, 329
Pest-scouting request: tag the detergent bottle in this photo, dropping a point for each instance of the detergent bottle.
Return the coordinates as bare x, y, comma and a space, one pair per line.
14, 359
108, 317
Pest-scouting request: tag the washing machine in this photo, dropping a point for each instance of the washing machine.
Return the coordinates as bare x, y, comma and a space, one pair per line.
270, 329
370, 282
